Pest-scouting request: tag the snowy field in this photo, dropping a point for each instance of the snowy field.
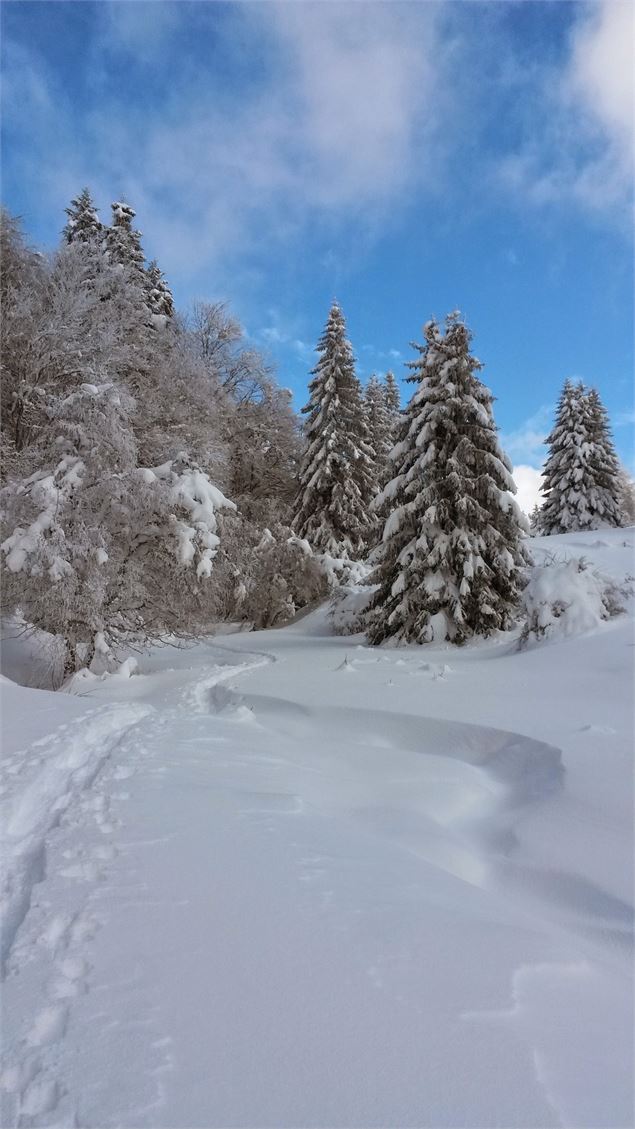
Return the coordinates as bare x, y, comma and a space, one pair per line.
285, 879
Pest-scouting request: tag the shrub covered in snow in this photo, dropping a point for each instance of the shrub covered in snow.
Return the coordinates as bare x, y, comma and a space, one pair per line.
569, 597
269, 574
348, 607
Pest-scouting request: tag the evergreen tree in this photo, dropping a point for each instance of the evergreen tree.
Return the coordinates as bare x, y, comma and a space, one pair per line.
123, 241
393, 406
580, 485
605, 495
627, 495
534, 521
448, 564
83, 222
336, 479
160, 297
380, 426
393, 399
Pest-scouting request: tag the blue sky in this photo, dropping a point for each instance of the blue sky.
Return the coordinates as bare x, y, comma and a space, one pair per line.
407, 158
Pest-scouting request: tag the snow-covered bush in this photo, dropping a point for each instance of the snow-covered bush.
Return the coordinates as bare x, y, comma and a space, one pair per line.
275, 574
348, 607
569, 597
114, 440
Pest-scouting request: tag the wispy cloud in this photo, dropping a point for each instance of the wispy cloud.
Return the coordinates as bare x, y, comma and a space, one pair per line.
526, 444
332, 127
583, 151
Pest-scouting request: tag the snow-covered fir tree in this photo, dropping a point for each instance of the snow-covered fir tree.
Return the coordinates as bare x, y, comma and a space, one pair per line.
605, 499
393, 403
160, 297
580, 483
336, 478
627, 495
123, 241
448, 565
393, 399
534, 521
83, 222
380, 425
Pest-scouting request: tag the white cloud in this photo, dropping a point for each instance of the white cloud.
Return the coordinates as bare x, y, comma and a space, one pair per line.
578, 141
527, 443
365, 85
528, 481
601, 71
331, 130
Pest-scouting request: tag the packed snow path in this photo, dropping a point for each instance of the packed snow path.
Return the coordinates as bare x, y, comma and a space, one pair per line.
268, 889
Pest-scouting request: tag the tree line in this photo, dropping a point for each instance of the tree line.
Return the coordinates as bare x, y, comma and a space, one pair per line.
155, 478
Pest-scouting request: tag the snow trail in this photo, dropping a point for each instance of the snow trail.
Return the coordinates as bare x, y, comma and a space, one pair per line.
297, 898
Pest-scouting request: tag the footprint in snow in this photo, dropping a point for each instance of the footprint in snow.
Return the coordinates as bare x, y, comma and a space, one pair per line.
41, 1097
49, 1025
85, 871
122, 772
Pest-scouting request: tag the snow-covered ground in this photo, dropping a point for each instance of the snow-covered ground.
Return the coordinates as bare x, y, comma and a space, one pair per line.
284, 879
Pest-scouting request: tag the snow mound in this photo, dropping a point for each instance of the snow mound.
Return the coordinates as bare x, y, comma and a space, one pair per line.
570, 597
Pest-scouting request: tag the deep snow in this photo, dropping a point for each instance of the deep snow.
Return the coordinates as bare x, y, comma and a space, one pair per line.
284, 879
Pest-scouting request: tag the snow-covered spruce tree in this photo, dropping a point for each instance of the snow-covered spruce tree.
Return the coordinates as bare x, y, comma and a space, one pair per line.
567, 467
580, 478
393, 399
336, 478
380, 426
83, 222
605, 496
448, 565
123, 241
160, 297
393, 405
627, 495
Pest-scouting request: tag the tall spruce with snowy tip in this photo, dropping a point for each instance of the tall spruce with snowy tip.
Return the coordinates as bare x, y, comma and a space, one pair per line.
160, 297
605, 495
448, 565
580, 477
393, 400
336, 478
380, 425
123, 241
83, 224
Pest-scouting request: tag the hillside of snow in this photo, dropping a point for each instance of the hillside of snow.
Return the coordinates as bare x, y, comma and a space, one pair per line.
285, 879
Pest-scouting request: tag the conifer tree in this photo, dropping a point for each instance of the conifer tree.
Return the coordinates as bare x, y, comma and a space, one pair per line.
379, 425
83, 221
627, 496
604, 499
393, 405
123, 242
393, 399
160, 297
336, 478
451, 548
581, 473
